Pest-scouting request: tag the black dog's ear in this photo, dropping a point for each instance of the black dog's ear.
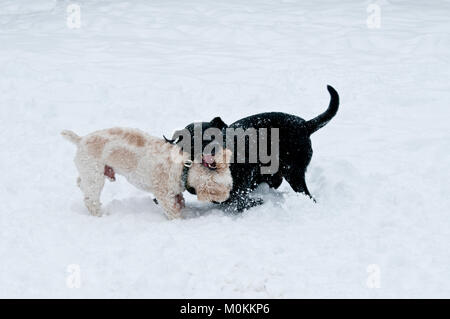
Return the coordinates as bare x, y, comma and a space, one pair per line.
217, 122
169, 141
176, 137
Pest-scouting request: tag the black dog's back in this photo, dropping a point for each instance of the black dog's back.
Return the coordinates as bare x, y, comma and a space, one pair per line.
289, 122
295, 149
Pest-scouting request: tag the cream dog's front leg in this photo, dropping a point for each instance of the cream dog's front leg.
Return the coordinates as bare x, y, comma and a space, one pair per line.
172, 204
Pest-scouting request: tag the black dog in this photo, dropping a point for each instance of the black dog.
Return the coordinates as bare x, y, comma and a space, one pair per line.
295, 152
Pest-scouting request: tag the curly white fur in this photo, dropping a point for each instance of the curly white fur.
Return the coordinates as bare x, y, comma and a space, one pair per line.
150, 164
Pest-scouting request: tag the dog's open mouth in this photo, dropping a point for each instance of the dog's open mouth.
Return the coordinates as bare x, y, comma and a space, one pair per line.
209, 162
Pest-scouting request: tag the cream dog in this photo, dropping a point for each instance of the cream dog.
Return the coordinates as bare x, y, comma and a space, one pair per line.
150, 164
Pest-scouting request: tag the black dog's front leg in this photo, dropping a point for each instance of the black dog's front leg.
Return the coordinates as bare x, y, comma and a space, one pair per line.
240, 201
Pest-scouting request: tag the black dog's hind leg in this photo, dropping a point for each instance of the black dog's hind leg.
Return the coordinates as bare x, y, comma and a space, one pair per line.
274, 181
298, 183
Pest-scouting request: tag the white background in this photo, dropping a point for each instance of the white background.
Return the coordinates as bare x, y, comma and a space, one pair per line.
380, 170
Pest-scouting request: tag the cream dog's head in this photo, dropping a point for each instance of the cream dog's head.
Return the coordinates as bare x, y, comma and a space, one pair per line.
212, 179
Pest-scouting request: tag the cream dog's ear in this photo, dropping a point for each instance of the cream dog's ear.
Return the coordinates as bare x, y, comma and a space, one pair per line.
228, 155
224, 156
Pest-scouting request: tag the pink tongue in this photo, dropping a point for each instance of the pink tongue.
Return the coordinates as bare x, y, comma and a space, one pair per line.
208, 159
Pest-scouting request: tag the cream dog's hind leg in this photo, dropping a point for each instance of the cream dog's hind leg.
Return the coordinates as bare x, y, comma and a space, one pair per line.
91, 182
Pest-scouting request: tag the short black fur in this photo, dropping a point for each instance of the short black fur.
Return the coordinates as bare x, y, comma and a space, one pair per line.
294, 148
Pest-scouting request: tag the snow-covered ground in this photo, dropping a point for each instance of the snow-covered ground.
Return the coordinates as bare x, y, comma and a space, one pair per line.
380, 170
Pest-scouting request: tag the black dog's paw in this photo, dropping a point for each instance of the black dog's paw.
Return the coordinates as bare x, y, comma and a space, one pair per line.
239, 205
255, 202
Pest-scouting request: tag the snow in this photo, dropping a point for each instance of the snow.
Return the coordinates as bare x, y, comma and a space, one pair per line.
379, 171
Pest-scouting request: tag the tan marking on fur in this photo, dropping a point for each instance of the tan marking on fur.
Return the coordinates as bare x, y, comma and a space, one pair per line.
115, 131
95, 145
134, 138
123, 159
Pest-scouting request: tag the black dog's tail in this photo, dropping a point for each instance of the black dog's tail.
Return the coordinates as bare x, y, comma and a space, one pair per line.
321, 120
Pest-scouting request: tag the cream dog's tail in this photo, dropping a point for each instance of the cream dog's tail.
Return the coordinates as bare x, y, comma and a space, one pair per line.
71, 136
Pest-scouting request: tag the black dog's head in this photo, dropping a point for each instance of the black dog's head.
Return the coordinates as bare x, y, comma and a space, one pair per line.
203, 133
197, 134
